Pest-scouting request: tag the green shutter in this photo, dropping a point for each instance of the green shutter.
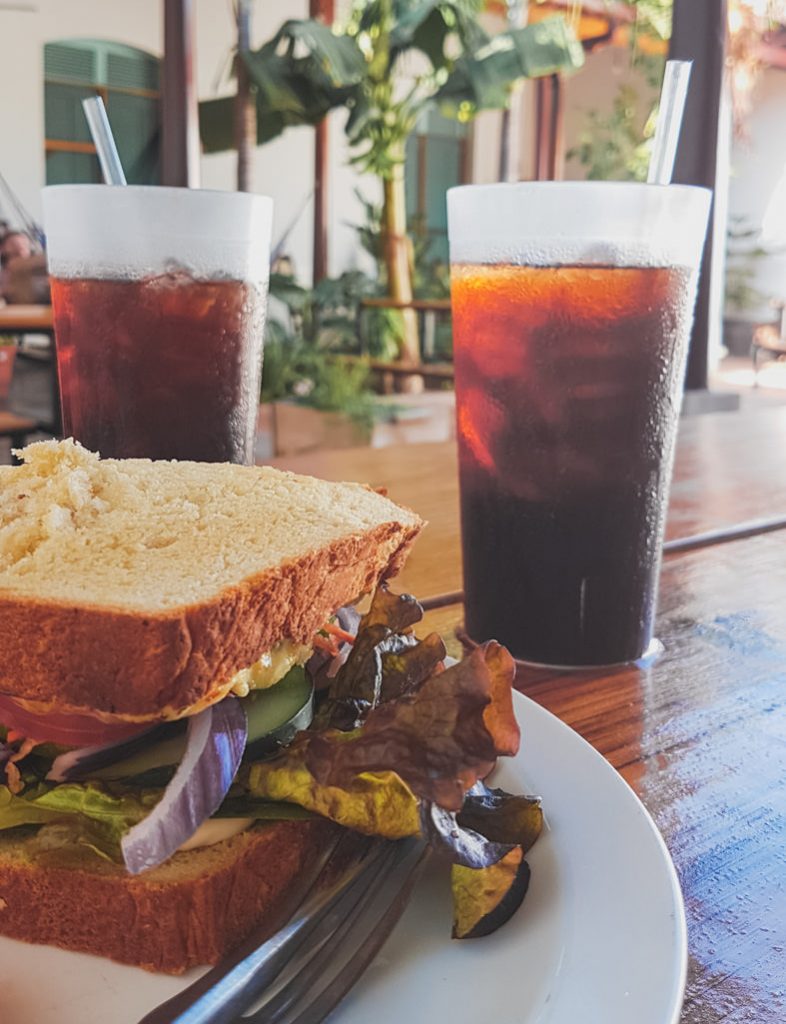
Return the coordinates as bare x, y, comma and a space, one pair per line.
132, 71
72, 169
63, 114
73, 71
135, 124
72, 62
442, 138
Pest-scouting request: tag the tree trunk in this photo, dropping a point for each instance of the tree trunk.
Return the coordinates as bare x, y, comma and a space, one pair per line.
245, 104
398, 260
325, 11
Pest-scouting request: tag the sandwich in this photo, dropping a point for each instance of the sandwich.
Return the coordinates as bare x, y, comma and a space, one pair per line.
189, 707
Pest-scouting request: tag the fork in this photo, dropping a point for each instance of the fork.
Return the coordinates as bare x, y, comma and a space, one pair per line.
306, 968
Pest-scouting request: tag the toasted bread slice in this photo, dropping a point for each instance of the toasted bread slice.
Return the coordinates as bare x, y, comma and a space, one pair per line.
138, 589
190, 911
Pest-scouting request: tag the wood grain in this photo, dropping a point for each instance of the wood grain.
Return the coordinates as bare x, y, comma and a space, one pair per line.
701, 737
729, 468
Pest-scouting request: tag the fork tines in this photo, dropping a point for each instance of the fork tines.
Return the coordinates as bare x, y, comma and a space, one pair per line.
299, 974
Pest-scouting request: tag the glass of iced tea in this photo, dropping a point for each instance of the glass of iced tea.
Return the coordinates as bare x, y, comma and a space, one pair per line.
159, 299
572, 308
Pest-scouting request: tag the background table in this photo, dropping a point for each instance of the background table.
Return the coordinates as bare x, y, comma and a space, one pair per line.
701, 734
730, 469
26, 320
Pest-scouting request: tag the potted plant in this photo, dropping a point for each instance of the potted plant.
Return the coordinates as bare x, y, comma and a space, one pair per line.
318, 400
746, 307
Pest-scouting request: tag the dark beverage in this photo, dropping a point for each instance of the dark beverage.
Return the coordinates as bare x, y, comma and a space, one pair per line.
568, 383
163, 367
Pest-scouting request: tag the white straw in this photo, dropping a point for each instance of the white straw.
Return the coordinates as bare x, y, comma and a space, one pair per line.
104, 141
667, 130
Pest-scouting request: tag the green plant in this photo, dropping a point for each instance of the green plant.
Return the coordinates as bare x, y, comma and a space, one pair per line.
300, 363
306, 69
383, 328
616, 145
742, 257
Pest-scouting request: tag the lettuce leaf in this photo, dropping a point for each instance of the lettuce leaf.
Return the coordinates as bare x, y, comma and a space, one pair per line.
440, 739
76, 814
385, 662
378, 804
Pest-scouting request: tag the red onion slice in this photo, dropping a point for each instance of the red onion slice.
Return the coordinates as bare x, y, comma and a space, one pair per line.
215, 742
79, 763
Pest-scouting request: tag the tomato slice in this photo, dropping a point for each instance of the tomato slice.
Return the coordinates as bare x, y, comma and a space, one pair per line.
68, 730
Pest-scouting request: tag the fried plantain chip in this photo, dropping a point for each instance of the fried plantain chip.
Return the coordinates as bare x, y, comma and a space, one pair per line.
460, 845
502, 817
486, 898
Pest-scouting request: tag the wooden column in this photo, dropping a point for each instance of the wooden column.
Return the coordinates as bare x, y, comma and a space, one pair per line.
699, 34
179, 120
245, 104
549, 118
325, 11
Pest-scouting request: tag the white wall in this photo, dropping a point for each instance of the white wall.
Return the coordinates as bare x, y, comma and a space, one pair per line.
22, 38
593, 87
284, 168
757, 192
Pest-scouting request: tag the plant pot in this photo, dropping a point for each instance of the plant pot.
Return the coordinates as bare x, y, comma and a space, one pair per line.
738, 335
298, 428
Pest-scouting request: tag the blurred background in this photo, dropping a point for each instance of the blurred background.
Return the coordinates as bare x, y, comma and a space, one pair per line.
356, 118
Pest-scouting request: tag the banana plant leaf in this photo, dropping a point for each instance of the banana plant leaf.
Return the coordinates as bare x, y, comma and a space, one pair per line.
306, 70
300, 75
426, 25
481, 81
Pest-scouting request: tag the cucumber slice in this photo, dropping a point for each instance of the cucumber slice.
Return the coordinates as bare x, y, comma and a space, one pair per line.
162, 753
274, 716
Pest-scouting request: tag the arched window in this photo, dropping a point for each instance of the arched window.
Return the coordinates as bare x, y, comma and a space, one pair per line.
128, 81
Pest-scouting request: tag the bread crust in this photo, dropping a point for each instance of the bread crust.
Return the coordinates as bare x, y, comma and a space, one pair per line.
189, 912
86, 658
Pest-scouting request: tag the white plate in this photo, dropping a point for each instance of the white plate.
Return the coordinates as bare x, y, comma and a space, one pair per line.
600, 938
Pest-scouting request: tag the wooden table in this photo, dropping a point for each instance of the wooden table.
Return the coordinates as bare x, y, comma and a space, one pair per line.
26, 320
729, 469
701, 734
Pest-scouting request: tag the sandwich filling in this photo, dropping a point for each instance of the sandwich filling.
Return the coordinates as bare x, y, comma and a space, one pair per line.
55, 722
374, 733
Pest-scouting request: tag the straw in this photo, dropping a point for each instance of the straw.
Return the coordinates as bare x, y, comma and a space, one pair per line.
667, 130
104, 141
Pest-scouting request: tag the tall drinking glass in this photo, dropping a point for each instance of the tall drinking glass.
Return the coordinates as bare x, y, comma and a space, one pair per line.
159, 298
572, 308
